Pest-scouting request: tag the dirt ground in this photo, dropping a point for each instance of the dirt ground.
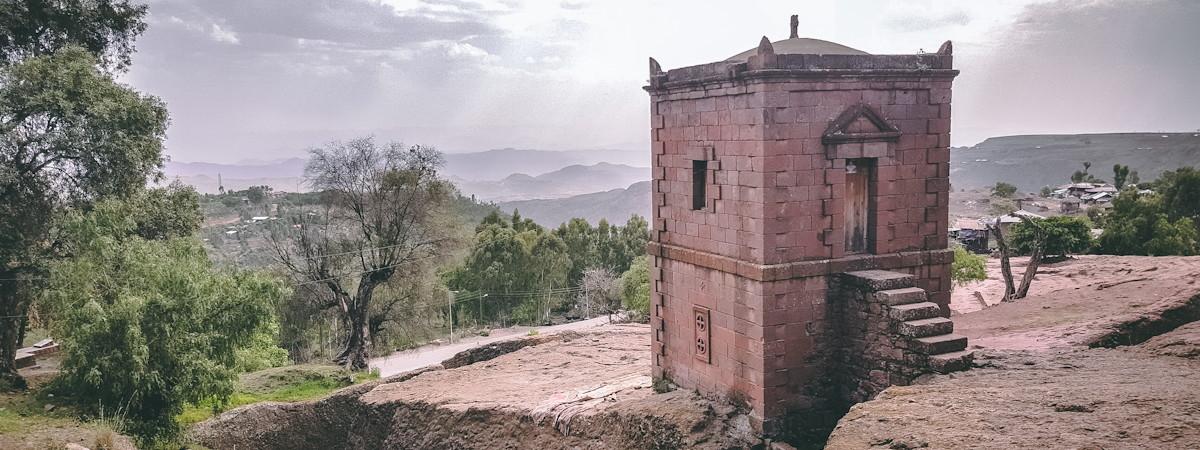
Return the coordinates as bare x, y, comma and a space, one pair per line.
573, 389
1088, 399
612, 366
431, 354
977, 203
1044, 378
32, 422
1075, 302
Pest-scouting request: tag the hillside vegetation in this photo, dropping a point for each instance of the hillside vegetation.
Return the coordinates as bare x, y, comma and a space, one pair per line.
615, 206
565, 182
1033, 161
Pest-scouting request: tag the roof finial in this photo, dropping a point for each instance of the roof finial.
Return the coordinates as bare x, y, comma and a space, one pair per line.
946, 48
765, 47
795, 26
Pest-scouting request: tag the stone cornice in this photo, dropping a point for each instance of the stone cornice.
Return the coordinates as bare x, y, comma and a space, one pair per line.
799, 269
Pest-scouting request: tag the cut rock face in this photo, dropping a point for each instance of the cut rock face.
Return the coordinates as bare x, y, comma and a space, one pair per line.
580, 390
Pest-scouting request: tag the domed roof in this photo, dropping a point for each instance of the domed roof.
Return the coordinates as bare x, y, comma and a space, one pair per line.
801, 46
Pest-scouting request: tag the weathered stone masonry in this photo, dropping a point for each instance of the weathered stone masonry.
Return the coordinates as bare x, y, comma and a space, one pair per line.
812, 168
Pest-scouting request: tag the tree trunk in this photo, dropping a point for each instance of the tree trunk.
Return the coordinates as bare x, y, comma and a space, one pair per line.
13, 307
1005, 266
1035, 260
356, 355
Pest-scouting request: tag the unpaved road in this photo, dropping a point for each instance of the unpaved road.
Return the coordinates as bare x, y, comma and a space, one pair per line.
431, 354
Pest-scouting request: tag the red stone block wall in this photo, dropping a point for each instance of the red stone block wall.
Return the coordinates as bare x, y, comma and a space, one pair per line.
776, 197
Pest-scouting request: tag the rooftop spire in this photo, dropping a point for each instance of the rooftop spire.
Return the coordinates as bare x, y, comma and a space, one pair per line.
795, 26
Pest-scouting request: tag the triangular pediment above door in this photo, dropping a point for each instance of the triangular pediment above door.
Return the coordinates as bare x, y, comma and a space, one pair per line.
860, 123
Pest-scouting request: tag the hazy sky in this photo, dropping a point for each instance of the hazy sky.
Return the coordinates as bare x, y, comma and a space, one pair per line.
265, 79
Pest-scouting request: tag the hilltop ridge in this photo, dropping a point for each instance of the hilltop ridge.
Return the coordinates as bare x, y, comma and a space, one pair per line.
1033, 161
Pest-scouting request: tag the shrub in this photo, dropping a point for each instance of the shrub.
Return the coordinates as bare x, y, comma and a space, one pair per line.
1062, 235
635, 289
967, 267
1150, 224
149, 325
1003, 190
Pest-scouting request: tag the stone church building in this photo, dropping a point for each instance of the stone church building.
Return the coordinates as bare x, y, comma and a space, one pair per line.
799, 233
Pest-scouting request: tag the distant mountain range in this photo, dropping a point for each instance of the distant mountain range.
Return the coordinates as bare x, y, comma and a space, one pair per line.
552, 187
498, 164
491, 165
616, 206
568, 181
1033, 161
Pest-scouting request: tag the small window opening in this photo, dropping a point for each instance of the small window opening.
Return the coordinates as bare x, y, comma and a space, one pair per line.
699, 184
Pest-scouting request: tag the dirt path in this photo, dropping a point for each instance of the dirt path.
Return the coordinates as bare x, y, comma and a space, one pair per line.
431, 354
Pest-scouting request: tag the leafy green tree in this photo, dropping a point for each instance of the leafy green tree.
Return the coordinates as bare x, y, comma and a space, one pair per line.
148, 326
261, 351
69, 135
1082, 176
105, 28
520, 265
1143, 224
514, 266
1181, 193
172, 211
1120, 175
635, 289
1047, 191
1003, 190
581, 244
257, 194
1057, 236
1173, 238
967, 267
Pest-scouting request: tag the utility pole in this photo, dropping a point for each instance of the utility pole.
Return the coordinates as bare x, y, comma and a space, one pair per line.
450, 315
481, 306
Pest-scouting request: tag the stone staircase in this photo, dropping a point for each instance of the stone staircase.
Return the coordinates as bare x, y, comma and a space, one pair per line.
930, 337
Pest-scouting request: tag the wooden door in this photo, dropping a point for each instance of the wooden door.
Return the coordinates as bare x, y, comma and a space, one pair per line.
858, 179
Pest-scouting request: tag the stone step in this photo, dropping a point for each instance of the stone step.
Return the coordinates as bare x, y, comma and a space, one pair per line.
881, 280
25, 359
940, 344
952, 362
914, 311
926, 327
902, 296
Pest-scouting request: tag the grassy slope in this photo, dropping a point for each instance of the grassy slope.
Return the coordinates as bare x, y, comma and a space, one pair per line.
280, 384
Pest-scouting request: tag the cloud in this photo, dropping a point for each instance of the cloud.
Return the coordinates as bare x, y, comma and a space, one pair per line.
1094, 66
922, 21
222, 35
211, 29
